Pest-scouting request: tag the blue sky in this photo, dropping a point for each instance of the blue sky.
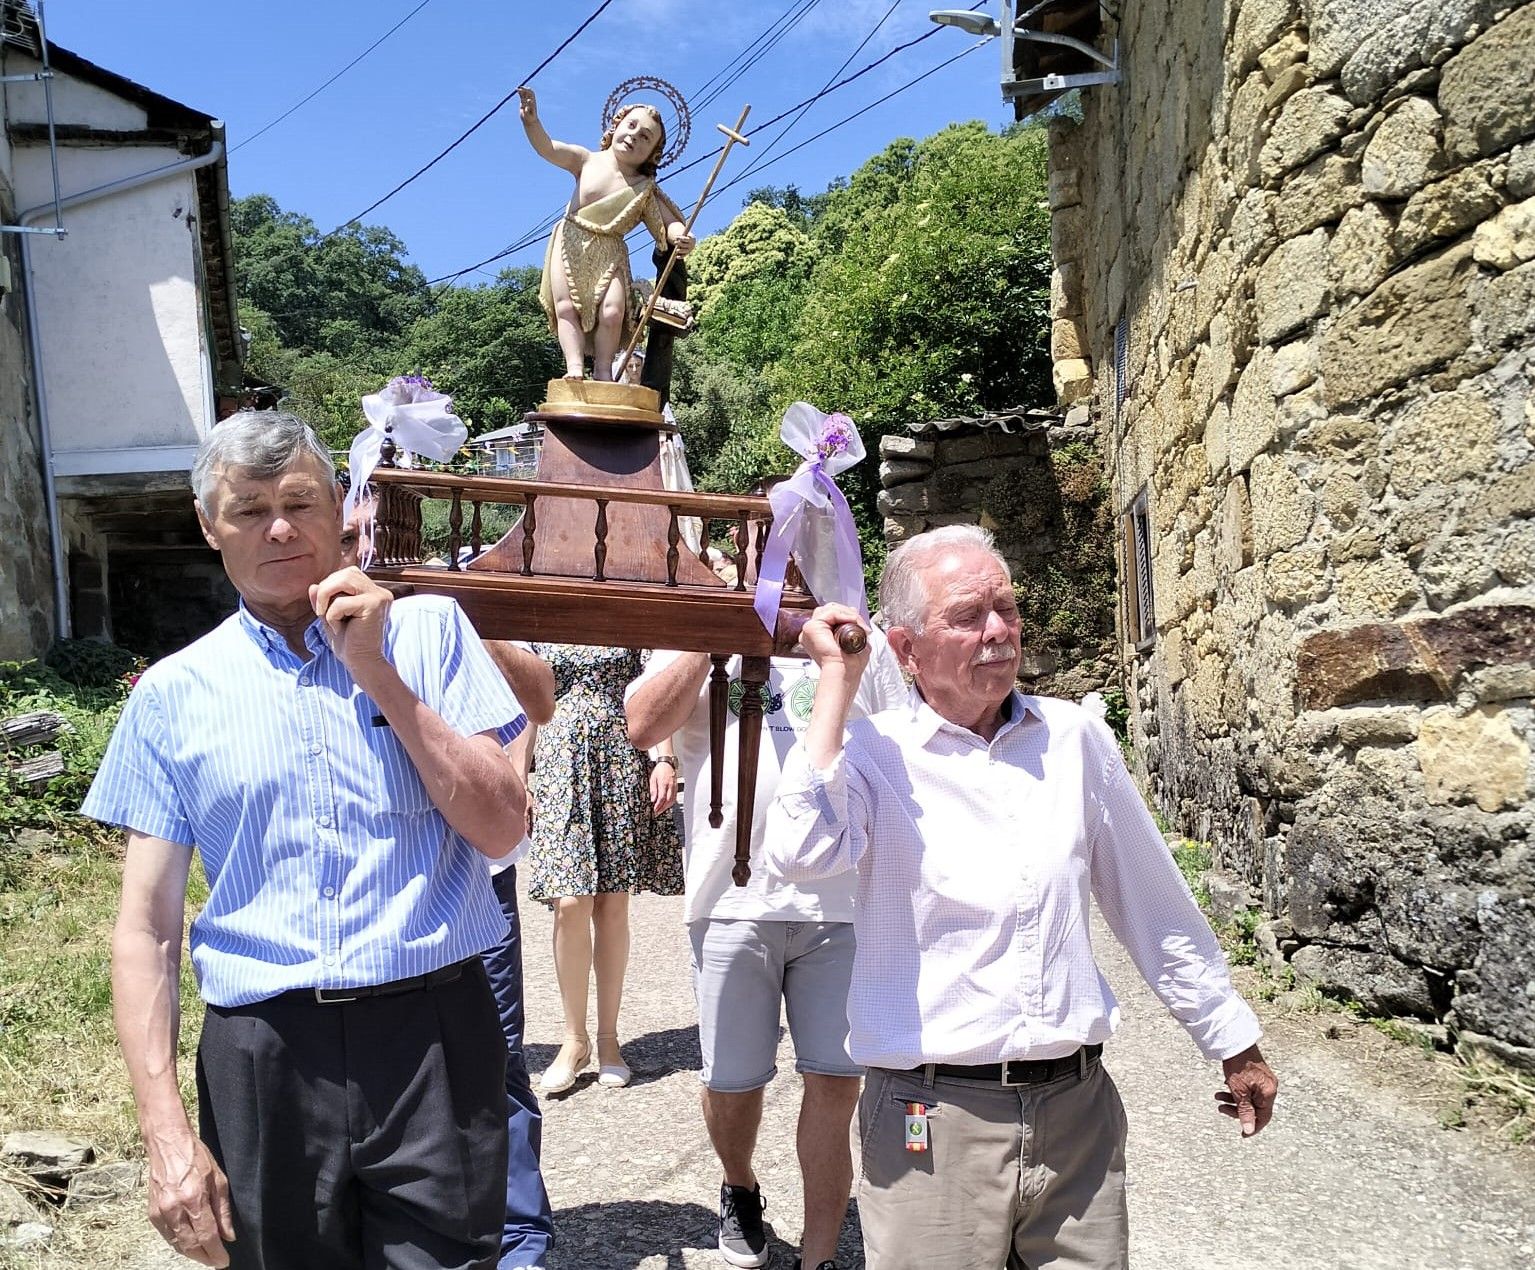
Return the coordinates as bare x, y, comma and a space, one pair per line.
249, 62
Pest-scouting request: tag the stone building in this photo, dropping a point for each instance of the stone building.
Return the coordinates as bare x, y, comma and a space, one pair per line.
1295, 283
1034, 479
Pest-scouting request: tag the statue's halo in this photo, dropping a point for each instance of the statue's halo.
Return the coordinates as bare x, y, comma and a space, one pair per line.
652, 84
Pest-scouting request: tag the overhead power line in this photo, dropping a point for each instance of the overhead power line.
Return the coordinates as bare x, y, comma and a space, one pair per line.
533, 235
794, 19
306, 100
480, 122
745, 51
911, 83
760, 158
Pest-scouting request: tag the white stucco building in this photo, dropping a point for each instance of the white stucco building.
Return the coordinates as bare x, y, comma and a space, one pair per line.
124, 327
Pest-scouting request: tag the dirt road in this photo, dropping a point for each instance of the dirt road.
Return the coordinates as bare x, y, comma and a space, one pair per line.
1355, 1173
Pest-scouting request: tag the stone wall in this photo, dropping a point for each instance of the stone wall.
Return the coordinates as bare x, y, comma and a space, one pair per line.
1036, 481
163, 599
1316, 219
26, 560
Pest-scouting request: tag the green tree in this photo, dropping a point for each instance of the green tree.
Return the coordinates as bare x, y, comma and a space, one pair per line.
939, 302
339, 294
490, 347
762, 242
326, 391
714, 399
927, 294
803, 209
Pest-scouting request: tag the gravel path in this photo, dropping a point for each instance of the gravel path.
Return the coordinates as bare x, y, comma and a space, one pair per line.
1355, 1171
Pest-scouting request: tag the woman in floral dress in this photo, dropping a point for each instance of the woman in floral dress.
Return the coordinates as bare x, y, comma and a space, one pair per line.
603, 830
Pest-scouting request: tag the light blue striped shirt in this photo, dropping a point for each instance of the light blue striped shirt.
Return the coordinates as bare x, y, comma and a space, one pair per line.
327, 863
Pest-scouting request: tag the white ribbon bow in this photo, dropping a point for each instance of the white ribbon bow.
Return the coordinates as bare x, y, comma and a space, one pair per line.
417, 418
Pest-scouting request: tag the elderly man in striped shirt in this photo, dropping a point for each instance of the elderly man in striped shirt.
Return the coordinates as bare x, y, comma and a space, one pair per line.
337, 762
980, 821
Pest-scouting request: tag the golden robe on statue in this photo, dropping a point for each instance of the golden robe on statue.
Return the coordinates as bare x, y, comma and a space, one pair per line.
590, 245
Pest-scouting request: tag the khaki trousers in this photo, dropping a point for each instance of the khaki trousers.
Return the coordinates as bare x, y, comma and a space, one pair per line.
1019, 1177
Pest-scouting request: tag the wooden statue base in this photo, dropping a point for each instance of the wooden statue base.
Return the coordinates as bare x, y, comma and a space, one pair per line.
599, 435
598, 401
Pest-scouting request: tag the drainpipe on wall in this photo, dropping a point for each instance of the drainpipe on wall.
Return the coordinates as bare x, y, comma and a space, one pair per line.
120, 186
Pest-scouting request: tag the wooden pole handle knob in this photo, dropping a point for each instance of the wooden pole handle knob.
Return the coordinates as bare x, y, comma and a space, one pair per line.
852, 639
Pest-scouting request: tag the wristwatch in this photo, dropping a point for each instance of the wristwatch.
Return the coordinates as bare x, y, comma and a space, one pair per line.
669, 759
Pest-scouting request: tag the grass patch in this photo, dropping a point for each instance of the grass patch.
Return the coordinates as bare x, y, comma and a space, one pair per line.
1511, 1092
1193, 860
1413, 1038
87, 683
59, 1064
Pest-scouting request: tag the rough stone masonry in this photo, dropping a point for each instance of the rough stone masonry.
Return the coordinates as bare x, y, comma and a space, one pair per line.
1307, 228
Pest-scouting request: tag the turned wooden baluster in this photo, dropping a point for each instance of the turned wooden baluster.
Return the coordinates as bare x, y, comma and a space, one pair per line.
474, 530
600, 551
743, 540
455, 528
762, 536
383, 530
754, 673
673, 537
389, 517
529, 530
719, 696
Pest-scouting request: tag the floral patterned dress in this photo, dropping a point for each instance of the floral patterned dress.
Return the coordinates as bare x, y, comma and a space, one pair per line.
593, 830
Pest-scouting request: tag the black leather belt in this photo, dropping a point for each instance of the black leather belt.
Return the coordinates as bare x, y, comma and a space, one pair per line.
1019, 1071
340, 996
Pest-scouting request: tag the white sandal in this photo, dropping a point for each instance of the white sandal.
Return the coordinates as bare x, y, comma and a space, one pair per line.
560, 1076
613, 1075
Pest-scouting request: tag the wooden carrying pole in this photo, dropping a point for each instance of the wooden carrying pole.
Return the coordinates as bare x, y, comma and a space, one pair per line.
732, 138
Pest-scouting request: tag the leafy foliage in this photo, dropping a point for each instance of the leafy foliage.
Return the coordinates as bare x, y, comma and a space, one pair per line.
489, 347
339, 294
915, 289
1067, 603
333, 318
78, 684
763, 244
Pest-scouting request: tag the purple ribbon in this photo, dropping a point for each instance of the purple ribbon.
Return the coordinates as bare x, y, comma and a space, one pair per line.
809, 506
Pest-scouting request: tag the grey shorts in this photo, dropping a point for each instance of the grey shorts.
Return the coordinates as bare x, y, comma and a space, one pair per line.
741, 971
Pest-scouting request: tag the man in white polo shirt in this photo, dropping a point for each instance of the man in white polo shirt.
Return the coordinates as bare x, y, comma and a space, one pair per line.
762, 944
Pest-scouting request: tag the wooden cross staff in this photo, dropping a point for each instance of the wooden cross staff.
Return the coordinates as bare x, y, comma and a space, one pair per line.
732, 138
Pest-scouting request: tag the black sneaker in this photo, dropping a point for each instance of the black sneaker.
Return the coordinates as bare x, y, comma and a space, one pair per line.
743, 1242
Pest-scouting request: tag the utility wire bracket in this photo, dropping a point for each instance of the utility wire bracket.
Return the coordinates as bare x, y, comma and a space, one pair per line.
34, 42
1060, 83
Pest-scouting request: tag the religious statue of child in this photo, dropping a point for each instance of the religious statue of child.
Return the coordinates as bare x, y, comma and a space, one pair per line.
586, 283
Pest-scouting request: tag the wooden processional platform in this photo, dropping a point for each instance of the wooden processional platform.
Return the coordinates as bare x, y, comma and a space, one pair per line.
598, 557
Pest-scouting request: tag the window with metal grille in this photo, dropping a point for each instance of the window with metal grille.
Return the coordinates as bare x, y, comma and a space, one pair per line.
1140, 607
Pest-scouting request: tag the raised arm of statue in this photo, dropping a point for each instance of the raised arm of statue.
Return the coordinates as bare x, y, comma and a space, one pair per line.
560, 153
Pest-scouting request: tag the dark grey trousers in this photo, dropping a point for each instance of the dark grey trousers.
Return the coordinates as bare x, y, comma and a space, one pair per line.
364, 1136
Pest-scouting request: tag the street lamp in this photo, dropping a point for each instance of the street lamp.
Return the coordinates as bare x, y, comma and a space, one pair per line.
1013, 26
967, 20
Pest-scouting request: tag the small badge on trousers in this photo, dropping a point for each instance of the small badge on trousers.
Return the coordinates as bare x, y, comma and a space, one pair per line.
916, 1126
